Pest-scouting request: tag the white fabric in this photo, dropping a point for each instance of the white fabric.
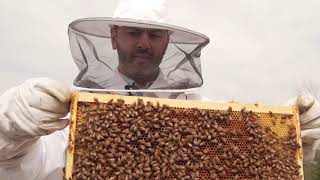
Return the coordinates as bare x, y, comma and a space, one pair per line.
43, 162
143, 10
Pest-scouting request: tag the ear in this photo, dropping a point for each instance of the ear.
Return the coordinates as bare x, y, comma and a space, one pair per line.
114, 34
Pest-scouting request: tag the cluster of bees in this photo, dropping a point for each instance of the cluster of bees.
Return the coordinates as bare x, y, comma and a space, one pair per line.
142, 140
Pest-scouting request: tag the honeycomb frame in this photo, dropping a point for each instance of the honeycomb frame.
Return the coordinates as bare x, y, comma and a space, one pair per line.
264, 111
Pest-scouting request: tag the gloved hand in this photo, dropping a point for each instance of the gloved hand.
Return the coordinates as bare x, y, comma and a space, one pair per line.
309, 109
34, 108
28, 111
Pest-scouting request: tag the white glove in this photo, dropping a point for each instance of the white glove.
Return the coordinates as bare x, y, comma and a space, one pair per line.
309, 109
29, 111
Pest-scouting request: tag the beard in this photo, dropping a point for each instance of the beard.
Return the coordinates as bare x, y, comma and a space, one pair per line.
139, 63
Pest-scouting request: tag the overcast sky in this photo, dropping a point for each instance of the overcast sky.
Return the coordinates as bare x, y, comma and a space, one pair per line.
260, 51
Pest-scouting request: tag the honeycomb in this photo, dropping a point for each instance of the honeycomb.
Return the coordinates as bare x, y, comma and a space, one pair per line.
127, 137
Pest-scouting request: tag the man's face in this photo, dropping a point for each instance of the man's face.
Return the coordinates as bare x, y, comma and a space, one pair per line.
140, 51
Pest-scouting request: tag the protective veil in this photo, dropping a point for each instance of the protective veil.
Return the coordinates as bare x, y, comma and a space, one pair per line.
90, 42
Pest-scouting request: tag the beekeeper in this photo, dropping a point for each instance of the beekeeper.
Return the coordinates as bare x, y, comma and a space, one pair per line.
137, 52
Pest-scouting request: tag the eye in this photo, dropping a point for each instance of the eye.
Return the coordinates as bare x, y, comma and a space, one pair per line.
134, 32
156, 34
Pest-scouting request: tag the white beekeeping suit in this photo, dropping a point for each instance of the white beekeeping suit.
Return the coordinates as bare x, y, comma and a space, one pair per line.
33, 133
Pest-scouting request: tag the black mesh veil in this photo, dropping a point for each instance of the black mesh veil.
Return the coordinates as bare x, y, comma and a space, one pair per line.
90, 43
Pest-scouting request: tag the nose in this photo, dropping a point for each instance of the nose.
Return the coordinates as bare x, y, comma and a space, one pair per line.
144, 41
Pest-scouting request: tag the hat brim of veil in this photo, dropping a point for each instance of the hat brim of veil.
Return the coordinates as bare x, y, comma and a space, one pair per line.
100, 27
